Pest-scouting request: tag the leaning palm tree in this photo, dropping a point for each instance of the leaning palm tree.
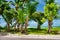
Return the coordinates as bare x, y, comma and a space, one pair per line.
8, 18
30, 8
18, 4
4, 7
26, 7
40, 18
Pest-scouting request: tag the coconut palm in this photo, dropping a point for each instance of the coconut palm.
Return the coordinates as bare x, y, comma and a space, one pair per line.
30, 8
8, 18
4, 8
38, 17
26, 6
18, 4
51, 11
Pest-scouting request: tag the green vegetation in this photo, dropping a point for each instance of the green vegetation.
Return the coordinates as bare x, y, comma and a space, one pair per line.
38, 17
42, 31
51, 10
24, 11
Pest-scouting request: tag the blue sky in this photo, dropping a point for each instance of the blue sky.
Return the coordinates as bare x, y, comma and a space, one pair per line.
40, 8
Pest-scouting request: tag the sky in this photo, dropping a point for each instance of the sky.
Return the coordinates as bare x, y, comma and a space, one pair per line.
40, 8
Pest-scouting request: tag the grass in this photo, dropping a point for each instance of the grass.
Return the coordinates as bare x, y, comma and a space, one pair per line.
35, 31
55, 31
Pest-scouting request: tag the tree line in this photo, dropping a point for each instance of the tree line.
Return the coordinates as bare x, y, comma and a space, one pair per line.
24, 11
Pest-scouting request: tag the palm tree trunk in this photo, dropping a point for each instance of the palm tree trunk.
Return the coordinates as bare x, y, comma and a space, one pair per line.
21, 28
15, 27
8, 27
18, 26
17, 20
38, 26
49, 26
26, 24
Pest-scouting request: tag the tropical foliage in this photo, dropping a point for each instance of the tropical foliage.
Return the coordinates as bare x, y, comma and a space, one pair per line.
51, 11
24, 11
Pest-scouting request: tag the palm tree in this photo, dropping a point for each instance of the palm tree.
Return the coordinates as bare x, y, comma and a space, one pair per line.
38, 17
17, 4
19, 8
51, 11
26, 6
30, 9
8, 18
4, 7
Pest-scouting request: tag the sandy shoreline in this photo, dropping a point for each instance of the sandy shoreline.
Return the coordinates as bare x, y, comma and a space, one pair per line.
30, 37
